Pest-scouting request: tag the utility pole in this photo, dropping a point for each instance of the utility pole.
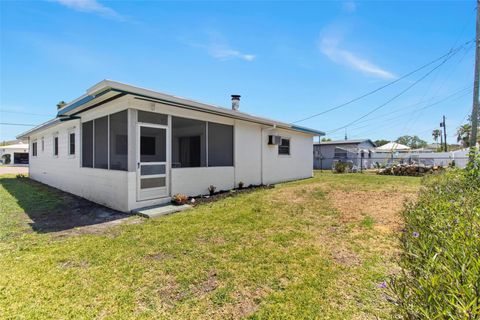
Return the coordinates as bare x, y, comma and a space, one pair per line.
443, 125
474, 116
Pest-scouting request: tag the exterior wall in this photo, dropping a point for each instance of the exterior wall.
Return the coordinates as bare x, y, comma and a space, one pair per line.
106, 187
248, 153
297, 165
195, 181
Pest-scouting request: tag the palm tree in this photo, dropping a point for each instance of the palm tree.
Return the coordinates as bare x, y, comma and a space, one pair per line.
463, 134
437, 133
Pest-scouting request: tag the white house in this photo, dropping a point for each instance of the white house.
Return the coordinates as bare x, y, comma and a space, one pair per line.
127, 147
14, 154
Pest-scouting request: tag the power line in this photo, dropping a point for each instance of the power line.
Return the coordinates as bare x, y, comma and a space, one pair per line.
17, 124
450, 52
394, 97
26, 113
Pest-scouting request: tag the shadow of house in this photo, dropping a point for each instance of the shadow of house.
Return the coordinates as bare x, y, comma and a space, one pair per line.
52, 210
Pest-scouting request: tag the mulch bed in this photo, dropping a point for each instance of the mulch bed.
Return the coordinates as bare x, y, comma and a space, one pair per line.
222, 194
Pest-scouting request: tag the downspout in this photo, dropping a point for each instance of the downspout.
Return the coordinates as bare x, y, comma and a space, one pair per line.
261, 150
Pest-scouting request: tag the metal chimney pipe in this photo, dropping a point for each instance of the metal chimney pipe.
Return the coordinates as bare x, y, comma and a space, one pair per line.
235, 101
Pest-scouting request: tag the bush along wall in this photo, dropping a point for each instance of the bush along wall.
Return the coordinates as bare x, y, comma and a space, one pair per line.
440, 276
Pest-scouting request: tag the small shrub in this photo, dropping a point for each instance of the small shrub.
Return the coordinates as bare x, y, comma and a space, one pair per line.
179, 199
21, 176
240, 185
341, 167
211, 189
441, 249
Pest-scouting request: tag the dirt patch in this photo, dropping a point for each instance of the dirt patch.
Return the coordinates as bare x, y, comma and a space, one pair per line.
382, 206
74, 215
345, 257
206, 286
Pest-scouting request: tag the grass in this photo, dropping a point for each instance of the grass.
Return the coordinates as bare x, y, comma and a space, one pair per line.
283, 253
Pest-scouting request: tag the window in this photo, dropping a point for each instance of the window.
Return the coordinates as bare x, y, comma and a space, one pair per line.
43, 144
101, 142
34, 148
87, 144
55, 146
105, 142
119, 141
71, 143
188, 143
284, 147
220, 145
340, 153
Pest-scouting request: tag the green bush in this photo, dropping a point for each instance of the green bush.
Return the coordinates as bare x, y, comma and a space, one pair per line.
341, 167
440, 276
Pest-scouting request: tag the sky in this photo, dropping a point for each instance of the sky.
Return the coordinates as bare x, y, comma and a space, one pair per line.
288, 60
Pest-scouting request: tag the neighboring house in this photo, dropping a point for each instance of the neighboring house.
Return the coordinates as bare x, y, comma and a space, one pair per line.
126, 147
14, 154
327, 152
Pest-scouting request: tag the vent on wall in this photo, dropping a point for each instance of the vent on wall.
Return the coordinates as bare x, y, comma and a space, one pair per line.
274, 140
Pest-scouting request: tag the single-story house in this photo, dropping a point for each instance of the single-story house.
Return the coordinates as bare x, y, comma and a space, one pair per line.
127, 147
14, 154
325, 153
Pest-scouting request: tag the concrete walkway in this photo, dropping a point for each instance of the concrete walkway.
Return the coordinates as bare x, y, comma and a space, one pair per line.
161, 210
13, 170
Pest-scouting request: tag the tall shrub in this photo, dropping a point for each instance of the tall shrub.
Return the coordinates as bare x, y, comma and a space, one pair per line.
440, 276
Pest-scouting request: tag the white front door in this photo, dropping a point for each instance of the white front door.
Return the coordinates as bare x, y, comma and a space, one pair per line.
152, 165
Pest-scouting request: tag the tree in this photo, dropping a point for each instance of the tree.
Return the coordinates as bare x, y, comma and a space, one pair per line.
436, 134
326, 139
463, 135
381, 142
413, 142
61, 104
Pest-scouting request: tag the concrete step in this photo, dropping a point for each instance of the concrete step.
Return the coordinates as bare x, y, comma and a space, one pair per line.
160, 210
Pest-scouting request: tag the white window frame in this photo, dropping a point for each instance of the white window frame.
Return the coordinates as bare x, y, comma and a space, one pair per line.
34, 149
69, 132
55, 135
289, 147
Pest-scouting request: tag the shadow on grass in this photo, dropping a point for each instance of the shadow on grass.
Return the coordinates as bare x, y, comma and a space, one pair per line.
52, 210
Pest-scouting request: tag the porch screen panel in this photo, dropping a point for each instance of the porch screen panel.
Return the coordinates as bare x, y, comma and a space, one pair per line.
119, 141
87, 144
220, 145
188, 143
101, 143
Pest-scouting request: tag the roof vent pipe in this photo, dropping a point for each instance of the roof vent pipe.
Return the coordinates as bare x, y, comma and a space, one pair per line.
235, 101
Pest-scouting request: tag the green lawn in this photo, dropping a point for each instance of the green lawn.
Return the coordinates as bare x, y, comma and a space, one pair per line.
284, 253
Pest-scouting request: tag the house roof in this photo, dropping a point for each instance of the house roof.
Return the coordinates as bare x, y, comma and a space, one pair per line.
341, 142
392, 146
15, 146
108, 90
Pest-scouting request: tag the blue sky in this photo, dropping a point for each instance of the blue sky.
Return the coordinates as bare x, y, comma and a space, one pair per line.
288, 60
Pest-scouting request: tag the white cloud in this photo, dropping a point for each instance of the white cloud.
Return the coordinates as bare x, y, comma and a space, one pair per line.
349, 6
217, 47
329, 46
92, 6
223, 52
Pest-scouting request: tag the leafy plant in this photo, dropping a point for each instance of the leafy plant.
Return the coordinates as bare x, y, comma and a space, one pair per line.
341, 167
441, 249
211, 189
240, 185
179, 199
21, 176
6, 158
